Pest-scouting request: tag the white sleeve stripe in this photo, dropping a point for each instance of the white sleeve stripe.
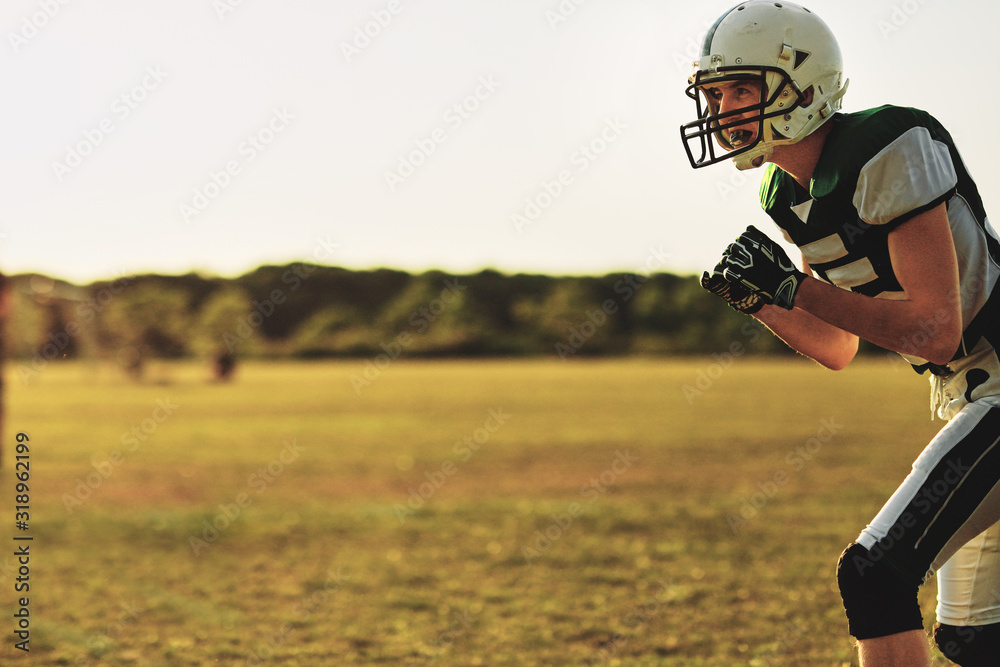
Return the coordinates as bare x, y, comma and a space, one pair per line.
892, 296
911, 172
856, 273
827, 249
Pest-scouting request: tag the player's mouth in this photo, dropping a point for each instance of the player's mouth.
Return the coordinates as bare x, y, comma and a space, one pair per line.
740, 137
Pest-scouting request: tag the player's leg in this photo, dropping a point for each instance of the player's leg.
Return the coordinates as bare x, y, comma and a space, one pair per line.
968, 611
969, 645
882, 610
903, 649
950, 496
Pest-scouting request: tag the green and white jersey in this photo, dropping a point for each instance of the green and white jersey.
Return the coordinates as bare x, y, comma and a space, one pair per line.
878, 169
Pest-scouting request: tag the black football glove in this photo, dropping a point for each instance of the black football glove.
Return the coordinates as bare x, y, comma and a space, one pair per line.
734, 294
758, 264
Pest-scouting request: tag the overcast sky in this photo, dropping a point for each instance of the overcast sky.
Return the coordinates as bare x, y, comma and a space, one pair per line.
216, 135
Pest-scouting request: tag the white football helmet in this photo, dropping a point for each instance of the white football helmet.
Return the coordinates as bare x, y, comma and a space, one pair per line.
791, 54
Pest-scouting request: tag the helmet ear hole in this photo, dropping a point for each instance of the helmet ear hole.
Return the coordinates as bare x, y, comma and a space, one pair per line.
808, 96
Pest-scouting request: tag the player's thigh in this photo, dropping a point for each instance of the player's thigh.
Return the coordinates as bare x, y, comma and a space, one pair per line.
950, 496
969, 582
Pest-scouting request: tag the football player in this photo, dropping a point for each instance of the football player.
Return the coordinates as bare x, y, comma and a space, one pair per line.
896, 249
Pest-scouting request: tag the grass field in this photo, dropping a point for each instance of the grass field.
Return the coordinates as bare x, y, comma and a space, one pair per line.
639, 512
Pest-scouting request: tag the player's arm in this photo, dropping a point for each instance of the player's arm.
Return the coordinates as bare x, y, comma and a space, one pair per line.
805, 333
928, 323
923, 257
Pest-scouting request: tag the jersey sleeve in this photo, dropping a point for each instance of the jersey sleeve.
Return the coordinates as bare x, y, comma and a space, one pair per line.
912, 174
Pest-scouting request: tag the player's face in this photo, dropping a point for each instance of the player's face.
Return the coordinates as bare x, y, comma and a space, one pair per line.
729, 97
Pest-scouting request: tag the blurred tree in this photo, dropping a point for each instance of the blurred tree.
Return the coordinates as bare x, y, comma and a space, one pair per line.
304, 289
572, 319
27, 329
146, 319
223, 324
333, 331
437, 315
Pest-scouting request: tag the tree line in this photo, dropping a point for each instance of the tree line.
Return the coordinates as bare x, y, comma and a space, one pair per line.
307, 311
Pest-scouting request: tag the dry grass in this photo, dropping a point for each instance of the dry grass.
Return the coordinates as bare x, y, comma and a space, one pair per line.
559, 513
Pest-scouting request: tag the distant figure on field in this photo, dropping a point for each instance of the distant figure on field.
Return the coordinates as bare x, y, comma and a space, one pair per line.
132, 362
223, 366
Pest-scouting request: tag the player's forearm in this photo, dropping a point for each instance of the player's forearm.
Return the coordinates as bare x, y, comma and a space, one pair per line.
826, 344
932, 333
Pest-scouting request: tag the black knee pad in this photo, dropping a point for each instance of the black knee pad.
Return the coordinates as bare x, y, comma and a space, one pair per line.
877, 599
970, 645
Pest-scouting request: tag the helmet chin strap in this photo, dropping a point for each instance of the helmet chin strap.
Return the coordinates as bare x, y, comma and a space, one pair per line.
754, 158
